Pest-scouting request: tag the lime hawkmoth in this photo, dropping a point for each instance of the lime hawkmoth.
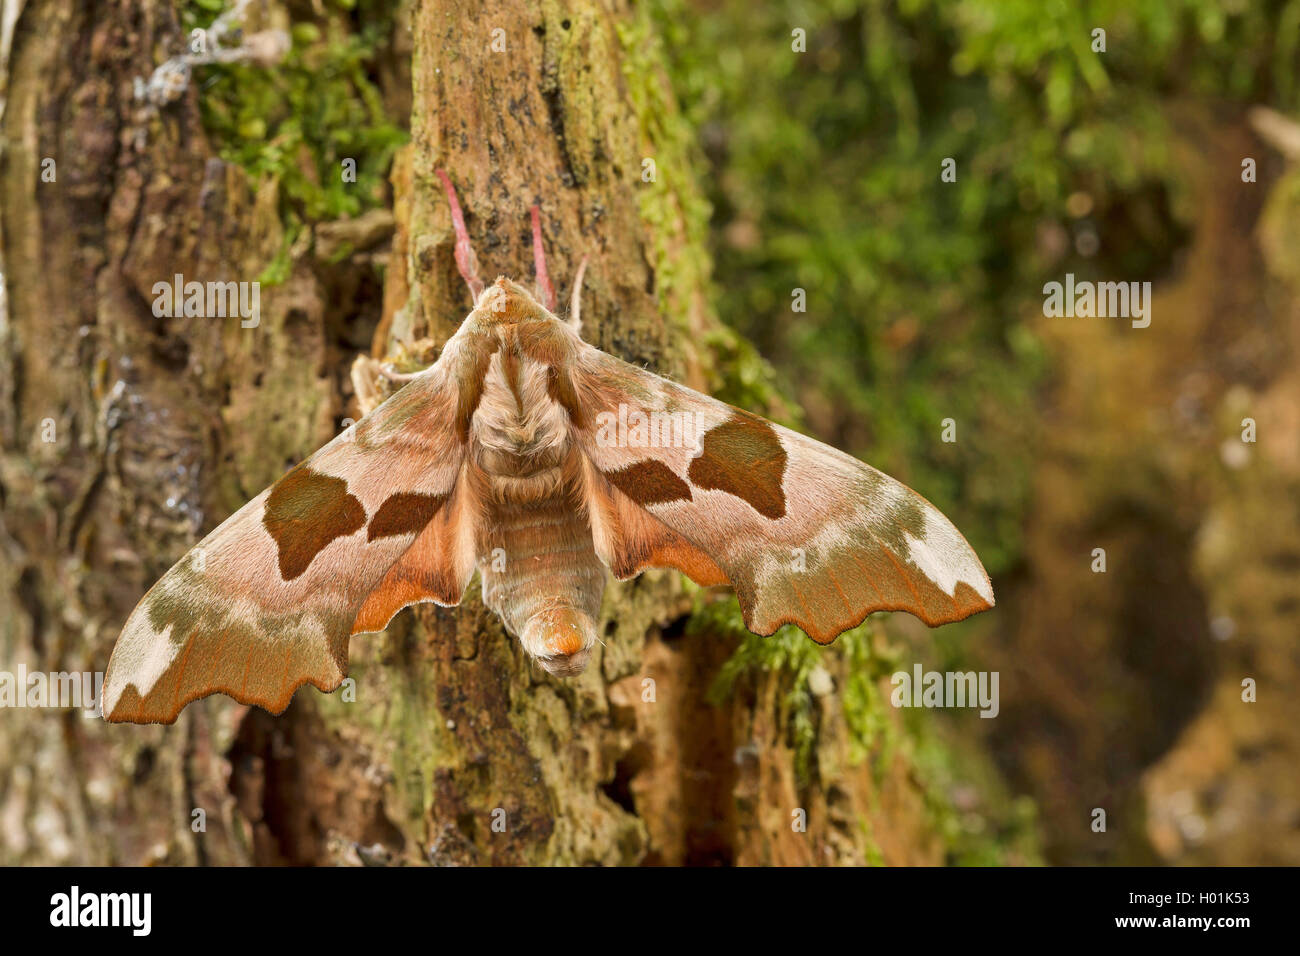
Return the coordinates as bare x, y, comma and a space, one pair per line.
544, 463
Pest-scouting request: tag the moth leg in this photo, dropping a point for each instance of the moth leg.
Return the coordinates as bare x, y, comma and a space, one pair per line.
545, 291
466, 261
575, 300
401, 378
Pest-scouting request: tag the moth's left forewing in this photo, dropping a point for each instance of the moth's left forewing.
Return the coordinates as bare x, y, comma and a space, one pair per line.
804, 533
267, 601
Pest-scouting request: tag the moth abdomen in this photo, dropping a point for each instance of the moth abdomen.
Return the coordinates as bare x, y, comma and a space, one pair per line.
542, 577
561, 639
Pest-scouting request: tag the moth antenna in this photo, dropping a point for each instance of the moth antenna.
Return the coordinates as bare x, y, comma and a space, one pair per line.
575, 301
544, 288
466, 261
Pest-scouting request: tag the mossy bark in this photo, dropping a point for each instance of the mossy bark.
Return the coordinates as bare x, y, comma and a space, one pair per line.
453, 748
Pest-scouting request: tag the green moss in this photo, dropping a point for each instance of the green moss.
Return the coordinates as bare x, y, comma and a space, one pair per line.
278, 269
670, 204
791, 655
875, 856
745, 379
296, 122
677, 218
394, 704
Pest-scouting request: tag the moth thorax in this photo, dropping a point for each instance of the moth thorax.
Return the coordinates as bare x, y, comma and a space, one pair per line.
506, 301
561, 639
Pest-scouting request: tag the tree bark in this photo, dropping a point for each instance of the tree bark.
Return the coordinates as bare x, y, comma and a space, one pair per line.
455, 749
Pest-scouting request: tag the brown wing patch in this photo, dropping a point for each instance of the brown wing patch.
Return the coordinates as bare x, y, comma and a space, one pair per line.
823, 623
649, 482
743, 457
404, 513
305, 511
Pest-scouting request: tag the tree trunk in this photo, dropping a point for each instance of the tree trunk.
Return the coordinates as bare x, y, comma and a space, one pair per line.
127, 436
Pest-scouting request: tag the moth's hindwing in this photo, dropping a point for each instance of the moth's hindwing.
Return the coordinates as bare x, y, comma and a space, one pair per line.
804, 533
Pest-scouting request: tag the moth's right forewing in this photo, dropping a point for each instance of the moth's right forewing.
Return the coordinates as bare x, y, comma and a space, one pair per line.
804, 533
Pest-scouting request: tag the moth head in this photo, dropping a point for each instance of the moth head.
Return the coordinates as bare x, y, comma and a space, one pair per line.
507, 302
561, 640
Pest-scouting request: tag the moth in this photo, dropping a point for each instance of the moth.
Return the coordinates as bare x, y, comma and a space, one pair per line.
544, 463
